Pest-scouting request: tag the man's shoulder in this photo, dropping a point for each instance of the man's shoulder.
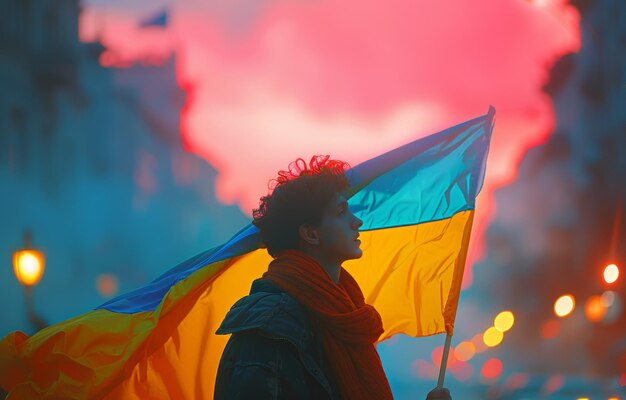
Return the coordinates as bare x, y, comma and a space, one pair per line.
269, 310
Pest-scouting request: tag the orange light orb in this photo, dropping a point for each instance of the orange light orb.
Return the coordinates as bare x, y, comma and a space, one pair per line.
28, 266
564, 305
550, 329
595, 309
107, 284
464, 351
611, 273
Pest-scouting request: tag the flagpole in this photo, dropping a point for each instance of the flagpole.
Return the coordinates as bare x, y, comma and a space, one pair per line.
444, 361
463, 255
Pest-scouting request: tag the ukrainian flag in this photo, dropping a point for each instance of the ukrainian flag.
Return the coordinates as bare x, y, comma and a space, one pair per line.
417, 205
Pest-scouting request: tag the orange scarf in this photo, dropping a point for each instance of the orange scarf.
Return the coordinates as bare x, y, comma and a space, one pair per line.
348, 325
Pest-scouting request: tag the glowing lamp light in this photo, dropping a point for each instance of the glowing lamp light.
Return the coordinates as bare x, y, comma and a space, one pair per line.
611, 273
28, 266
492, 337
504, 321
564, 305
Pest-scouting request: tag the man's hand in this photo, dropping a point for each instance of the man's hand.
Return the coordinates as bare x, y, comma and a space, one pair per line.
439, 394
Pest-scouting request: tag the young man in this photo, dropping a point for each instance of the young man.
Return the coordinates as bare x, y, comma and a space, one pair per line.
305, 332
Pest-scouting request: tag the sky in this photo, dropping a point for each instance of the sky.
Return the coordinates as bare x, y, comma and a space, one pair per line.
270, 81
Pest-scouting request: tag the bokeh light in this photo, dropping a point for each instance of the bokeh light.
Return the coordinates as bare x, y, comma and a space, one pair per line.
622, 380
608, 298
540, 3
492, 337
553, 384
107, 285
464, 351
479, 344
595, 309
564, 305
492, 368
611, 273
613, 304
437, 355
550, 328
516, 381
504, 321
462, 371
424, 369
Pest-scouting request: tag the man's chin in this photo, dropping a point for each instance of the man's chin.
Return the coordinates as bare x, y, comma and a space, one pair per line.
357, 254
354, 255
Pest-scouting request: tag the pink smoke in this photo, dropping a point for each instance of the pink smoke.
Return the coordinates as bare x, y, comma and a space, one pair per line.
350, 79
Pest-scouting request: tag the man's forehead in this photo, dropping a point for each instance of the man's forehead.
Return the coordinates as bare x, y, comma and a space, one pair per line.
338, 200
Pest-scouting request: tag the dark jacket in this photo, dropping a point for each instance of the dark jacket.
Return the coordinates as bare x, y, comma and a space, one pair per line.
275, 351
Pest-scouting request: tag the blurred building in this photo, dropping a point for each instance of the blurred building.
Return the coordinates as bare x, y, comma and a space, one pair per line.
92, 164
564, 218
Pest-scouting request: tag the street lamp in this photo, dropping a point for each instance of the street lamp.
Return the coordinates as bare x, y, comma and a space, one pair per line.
28, 265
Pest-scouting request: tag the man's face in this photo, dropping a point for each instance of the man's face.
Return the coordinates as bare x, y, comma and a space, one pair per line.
339, 232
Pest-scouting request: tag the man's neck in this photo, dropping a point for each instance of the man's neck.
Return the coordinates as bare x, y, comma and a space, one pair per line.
332, 268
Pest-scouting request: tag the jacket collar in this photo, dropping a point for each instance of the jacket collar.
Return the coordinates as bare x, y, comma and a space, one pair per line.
272, 312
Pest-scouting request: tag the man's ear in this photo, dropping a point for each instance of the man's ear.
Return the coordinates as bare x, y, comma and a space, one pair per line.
309, 234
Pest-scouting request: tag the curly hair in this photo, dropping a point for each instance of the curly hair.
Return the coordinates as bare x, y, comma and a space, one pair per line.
298, 197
